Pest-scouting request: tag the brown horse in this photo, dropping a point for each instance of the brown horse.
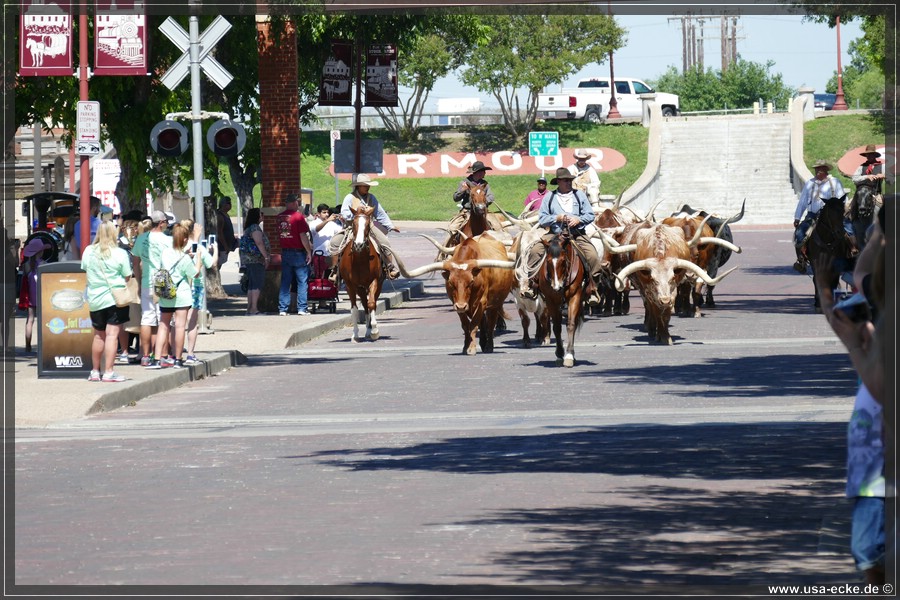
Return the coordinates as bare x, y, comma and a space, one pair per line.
479, 219
561, 279
828, 237
360, 269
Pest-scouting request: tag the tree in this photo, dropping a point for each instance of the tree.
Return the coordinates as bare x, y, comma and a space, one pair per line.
525, 53
742, 84
862, 82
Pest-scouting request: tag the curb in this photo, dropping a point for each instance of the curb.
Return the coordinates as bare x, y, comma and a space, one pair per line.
131, 392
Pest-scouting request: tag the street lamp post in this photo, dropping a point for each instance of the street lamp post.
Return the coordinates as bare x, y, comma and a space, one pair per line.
613, 103
839, 102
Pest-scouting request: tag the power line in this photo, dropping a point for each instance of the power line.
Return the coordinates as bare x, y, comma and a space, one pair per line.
696, 29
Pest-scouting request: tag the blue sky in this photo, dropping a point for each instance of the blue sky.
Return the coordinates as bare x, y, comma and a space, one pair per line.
805, 53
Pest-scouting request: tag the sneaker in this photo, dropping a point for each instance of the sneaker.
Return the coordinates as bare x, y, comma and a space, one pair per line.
166, 362
282, 314
94, 376
302, 313
145, 361
178, 363
192, 360
154, 364
122, 359
112, 377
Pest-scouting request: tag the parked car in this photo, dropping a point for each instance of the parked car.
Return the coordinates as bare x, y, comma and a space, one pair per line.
824, 101
590, 100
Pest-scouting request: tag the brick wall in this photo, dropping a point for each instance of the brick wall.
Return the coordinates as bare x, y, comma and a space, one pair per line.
279, 119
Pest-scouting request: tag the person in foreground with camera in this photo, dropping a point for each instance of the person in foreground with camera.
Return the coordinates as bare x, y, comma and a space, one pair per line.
107, 266
208, 252
859, 323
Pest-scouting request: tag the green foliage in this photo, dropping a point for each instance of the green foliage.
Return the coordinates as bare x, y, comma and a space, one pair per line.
525, 53
742, 84
430, 199
830, 137
863, 84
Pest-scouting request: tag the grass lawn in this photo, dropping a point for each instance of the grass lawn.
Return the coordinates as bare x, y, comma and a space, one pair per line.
430, 199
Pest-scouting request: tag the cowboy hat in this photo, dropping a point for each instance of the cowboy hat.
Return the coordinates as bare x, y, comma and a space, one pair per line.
582, 153
479, 166
33, 247
561, 173
821, 165
870, 149
363, 179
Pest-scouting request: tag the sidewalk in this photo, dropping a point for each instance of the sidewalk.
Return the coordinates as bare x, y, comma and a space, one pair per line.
234, 337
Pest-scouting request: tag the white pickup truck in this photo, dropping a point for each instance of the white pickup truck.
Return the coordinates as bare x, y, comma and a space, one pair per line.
590, 100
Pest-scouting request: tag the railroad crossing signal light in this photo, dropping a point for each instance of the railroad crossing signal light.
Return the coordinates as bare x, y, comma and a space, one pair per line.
169, 138
226, 138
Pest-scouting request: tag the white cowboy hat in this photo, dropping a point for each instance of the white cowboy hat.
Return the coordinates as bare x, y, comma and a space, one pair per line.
582, 153
363, 179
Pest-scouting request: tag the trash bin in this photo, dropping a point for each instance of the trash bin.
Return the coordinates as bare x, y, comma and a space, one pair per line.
64, 331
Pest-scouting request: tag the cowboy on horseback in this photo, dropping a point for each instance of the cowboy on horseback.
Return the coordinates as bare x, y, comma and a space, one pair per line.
360, 195
815, 191
564, 209
868, 197
475, 177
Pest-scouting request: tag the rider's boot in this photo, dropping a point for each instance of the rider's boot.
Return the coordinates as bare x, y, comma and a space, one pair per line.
392, 271
333, 272
800, 265
594, 289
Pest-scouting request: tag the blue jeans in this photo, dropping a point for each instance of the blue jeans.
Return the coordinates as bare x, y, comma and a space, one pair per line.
293, 267
867, 538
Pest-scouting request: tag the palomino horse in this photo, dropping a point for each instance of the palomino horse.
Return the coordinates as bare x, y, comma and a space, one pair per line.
561, 283
828, 237
360, 269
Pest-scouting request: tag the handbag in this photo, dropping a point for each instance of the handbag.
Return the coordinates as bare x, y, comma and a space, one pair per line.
126, 295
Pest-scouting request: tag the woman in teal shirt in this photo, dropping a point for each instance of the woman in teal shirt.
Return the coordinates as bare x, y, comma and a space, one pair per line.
183, 269
107, 266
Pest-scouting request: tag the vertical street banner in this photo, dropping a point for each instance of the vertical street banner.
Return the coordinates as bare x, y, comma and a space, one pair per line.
106, 177
381, 75
337, 74
120, 38
45, 39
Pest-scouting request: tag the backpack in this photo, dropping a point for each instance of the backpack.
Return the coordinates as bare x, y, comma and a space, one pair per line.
163, 284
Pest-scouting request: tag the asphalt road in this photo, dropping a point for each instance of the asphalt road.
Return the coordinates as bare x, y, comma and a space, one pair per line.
712, 466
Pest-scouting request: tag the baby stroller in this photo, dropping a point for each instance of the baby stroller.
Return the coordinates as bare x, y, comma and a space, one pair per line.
322, 293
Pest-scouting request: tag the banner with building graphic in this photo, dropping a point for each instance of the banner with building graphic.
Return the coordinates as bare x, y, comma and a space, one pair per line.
337, 74
381, 75
120, 39
45, 39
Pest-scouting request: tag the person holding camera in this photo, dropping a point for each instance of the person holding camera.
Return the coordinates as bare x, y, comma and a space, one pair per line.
209, 255
859, 324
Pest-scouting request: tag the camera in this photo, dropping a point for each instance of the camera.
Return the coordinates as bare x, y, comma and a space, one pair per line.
856, 307
212, 240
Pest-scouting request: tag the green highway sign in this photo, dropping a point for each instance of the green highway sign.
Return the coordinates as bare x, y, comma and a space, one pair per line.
543, 143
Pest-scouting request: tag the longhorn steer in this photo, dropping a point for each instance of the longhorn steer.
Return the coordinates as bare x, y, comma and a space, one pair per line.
660, 261
478, 279
721, 254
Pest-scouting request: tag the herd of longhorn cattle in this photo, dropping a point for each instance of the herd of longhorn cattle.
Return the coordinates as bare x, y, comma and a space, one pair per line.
667, 261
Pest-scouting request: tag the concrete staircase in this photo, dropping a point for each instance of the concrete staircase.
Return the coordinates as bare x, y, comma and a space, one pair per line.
714, 163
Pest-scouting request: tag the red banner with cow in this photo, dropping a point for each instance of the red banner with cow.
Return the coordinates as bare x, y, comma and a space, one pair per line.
120, 40
45, 39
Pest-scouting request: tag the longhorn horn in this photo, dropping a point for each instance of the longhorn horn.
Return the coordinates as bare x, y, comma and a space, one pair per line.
628, 270
696, 270
490, 263
617, 248
618, 200
437, 244
720, 242
649, 216
520, 223
419, 271
696, 239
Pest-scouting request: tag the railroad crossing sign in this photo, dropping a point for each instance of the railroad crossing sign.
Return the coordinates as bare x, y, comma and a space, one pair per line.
208, 39
543, 143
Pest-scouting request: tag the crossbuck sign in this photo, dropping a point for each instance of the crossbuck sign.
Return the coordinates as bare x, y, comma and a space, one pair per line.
208, 39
